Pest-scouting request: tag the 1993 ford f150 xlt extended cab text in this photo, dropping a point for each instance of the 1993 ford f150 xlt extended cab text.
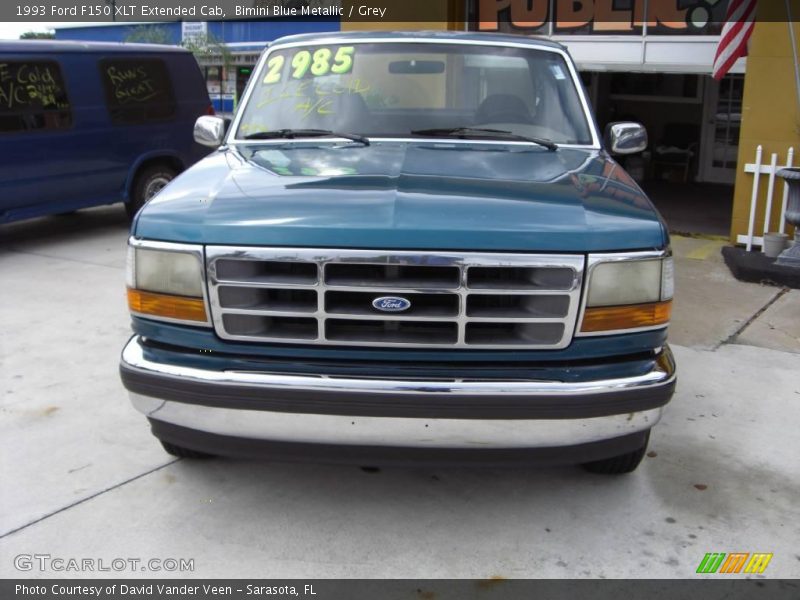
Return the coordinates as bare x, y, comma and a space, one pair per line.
407, 246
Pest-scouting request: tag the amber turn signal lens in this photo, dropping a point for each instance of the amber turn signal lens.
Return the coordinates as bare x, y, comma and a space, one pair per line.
164, 305
612, 318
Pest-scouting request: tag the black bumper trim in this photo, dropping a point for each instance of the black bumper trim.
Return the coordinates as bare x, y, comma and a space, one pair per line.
423, 406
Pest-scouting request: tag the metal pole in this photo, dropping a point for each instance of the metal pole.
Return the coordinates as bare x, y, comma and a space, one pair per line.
793, 42
789, 164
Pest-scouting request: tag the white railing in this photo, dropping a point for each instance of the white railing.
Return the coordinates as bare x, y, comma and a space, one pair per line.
771, 169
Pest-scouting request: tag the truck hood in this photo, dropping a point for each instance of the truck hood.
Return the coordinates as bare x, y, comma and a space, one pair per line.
412, 195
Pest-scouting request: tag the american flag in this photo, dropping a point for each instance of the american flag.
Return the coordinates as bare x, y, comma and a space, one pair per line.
739, 23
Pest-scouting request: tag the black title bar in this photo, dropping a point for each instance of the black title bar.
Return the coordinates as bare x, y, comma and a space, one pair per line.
732, 588
459, 14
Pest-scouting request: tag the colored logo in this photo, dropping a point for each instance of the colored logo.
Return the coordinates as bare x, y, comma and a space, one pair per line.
735, 562
391, 304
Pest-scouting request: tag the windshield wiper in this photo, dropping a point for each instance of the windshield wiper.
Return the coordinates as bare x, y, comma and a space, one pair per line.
296, 133
475, 132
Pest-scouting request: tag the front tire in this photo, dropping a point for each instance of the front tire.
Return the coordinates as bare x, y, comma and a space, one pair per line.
620, 464
182, 452
147, 184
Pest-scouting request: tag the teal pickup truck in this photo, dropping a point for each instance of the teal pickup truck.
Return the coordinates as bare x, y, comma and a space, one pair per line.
406, 247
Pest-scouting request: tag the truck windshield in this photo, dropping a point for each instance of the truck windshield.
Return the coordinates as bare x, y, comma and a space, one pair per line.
390, 89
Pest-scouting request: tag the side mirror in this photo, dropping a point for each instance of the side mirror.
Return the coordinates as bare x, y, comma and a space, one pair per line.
210, 131
625, 138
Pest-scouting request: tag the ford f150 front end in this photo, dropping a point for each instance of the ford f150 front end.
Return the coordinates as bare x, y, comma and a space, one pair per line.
407, 246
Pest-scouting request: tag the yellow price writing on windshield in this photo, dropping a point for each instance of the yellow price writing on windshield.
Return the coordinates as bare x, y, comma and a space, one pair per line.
317, 63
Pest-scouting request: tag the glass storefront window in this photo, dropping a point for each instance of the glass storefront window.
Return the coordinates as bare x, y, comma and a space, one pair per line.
664, 87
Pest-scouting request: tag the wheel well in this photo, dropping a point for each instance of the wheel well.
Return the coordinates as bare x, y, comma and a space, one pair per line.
167, 161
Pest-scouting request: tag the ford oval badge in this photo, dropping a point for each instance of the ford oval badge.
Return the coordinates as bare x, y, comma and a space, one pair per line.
391, 304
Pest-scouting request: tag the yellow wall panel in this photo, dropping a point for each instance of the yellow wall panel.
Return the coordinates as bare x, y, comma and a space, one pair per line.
770, 113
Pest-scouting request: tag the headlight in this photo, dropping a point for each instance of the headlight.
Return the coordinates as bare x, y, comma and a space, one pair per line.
628, 292
165, 281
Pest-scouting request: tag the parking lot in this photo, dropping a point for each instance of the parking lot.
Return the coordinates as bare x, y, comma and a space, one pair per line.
83, 478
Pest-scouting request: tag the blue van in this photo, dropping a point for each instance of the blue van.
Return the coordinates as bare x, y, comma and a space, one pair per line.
85, 124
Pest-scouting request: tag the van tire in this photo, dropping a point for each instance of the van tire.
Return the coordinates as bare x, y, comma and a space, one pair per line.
147, 184
182, 452
620, 464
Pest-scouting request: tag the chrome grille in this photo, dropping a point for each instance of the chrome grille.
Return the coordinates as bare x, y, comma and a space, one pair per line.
310, 296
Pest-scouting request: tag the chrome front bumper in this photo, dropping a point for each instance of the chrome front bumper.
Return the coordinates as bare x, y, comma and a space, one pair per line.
391, 413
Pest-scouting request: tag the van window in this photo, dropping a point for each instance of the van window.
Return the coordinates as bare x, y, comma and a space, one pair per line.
137, 90
32, 96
